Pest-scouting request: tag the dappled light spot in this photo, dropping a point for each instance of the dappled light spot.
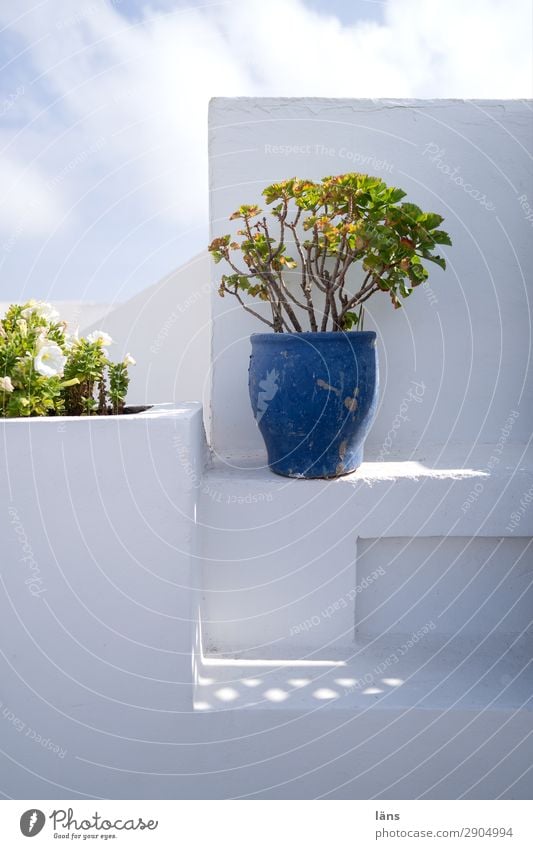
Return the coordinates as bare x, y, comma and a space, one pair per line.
325, 693
251, 682
345, 682
275, 695
227, 694
393, 682
371, 691
298, 682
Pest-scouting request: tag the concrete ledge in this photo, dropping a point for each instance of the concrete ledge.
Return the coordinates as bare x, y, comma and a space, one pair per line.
440, 490
295, 562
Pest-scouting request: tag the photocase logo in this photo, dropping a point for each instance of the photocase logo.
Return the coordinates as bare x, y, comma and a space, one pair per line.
32, 822
268, 388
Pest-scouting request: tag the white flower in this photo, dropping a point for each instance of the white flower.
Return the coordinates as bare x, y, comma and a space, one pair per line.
129, 360
50, 360
71, 339
42, 340
22, 325
6, 385
42, 309
100, 336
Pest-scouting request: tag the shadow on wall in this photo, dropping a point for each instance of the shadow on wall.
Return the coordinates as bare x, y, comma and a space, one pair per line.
167, 329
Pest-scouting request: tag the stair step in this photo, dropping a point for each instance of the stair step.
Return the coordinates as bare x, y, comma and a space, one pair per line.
402, 672
294, 562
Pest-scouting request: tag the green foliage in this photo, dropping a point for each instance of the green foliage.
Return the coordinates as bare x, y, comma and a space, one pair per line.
118, 385
46, 371
342, 221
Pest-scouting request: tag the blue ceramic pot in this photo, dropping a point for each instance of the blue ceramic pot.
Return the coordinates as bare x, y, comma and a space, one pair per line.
314, 398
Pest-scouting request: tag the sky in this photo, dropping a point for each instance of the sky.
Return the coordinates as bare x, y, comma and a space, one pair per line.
103, 112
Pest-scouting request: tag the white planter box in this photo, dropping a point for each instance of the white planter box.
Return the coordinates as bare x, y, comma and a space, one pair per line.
96, 519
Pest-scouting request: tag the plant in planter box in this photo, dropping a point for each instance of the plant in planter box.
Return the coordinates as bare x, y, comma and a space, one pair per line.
46, 371
324, 249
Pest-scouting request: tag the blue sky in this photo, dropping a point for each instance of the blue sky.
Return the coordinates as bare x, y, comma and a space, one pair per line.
103, 109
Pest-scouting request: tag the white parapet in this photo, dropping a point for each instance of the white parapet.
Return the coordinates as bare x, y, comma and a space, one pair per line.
97, 518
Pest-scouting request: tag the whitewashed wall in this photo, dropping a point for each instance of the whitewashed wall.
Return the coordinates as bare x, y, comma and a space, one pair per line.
465, 341
167, 329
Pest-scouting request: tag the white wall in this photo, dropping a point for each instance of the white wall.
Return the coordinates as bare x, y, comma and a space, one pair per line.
96, 521
466, 339
167, 329
106, 692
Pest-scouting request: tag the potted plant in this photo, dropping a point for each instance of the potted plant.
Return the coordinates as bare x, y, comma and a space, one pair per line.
324, 249
47, 371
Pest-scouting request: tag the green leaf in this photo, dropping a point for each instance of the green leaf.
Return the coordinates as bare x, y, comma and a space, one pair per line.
438, 260
245, 211
412, 211
418, 271
440, 237
371, 262
430, 220
394, 195
349, 319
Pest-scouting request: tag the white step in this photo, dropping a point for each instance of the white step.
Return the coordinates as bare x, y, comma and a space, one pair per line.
394, 546
399, 672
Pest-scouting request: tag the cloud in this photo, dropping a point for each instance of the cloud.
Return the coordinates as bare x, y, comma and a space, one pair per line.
32, 203
114, 109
